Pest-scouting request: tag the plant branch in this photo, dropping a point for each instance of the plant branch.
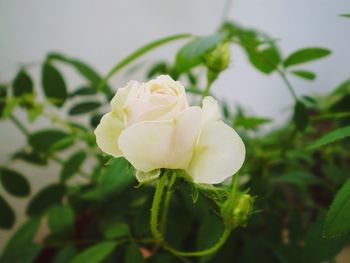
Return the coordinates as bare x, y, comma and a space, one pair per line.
168, 195
288, 84
19, 125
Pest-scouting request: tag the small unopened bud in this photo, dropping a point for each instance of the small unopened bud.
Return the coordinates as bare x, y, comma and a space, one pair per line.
237, 210
218, 59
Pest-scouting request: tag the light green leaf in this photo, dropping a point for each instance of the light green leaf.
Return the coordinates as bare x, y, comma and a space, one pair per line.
72, 165
53, 84
61, 219
117, 176
147, 177
7, 218
338, 216
139, 52
84, 107
14, 182
190, 54
306, 55
95, 254
45, 198
133, 254
304, 74
333, 136
3, 98
342, 89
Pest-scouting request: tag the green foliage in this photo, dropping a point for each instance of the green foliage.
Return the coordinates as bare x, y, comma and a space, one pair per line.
304, 74
44, 140
333, 136
72, 165
61, 219
301, 116
14, 183
95, 254
133, 254
338, 217
305, 55
7, 218
84, 107
22, 84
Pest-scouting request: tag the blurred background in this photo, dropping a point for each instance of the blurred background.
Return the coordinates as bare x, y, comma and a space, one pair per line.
103, 32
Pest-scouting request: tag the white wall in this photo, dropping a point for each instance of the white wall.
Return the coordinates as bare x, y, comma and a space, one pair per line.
104, 31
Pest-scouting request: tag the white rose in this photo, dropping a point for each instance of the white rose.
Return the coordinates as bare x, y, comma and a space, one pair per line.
153, 127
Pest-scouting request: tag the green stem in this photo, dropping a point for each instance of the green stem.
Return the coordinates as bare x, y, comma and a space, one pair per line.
211, 77
200, 253
168, 195
288, 84
157, 199
19, 125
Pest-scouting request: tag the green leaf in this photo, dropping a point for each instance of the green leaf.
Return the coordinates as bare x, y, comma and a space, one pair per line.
250, 122
45, 198
22, 84
61, 219
139, 52
297, 178
65, 254
85, 70
95, 254
7, 218
43, 140
14, 182
83, 91
320, 249
84, 107
117, 176
72, 165
265, 60
116, 229
95, 119
53, 84
133, 254
345, 15
338, 216
158, 69
190, 54
333, 136
3, 97
301, 116
342, 89
304, 74
63, 143
20, 248
306, 55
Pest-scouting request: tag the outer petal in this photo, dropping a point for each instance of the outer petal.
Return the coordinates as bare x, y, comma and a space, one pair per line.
219, 154
120, 98
108, 132
162, 144
210, 110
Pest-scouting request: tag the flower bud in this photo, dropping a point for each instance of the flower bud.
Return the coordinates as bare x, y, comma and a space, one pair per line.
218, 59
237, 210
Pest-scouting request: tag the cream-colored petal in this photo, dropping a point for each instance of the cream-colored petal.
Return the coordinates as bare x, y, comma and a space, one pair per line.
147, 177
121, 97
107, 134
162, 144
219, 154
210, 110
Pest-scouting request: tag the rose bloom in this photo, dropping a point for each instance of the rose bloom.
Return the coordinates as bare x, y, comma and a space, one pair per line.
152, 125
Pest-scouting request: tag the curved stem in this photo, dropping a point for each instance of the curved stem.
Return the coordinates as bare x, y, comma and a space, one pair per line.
288, 84
168, 195
155, 208
208, 251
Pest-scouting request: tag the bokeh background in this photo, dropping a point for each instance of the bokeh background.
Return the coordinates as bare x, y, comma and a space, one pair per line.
102, 32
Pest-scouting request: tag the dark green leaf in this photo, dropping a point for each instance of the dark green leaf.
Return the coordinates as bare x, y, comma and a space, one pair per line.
265, 60
133, 254
61, 219
84, 107
95, 254
63, 143
305, 55
338, 216
53, 84
45, 198
7, 218
301, 116
345, 15
95, 119
14, 182
139, 52
117, 176
43, 140
20, 248
297, 178
3, 97
320, 249
190, 54
333, 136
72, 165
65, 254
84, 91
304, 74
116, 229
158, 69
22, 84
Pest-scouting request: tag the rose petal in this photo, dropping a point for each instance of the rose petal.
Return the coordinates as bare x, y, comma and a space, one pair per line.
162, 144
210, 110
147, 177
219, 154
121, 97
107, 134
